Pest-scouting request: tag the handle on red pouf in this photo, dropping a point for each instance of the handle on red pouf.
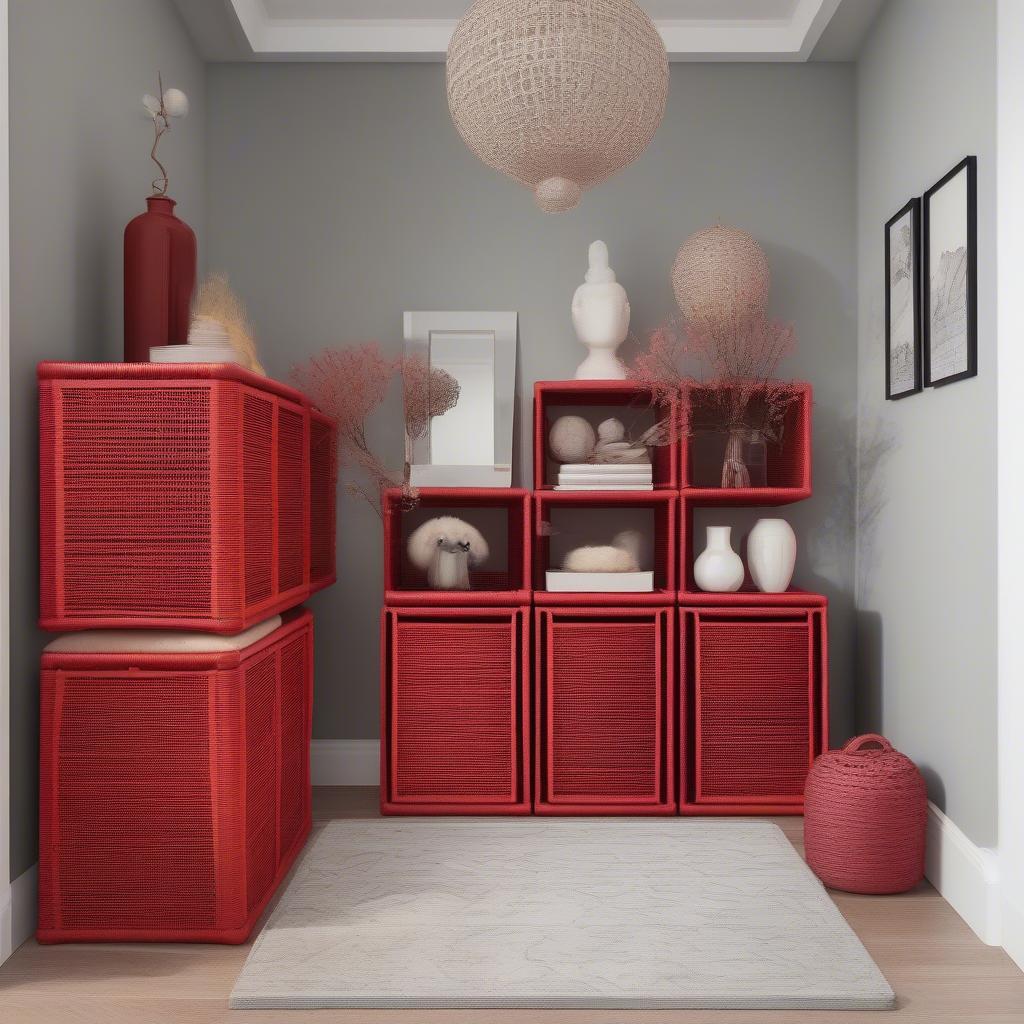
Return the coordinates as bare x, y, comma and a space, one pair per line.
855, 745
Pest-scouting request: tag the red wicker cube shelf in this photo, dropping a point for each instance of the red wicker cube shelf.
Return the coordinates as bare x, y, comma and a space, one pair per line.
567, 519
174, 788
755, 711
502, 515
604, 711
597, 400
455, 711
789, 460
177, 496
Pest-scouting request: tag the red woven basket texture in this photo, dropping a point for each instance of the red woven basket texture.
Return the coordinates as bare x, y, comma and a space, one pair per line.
754, 710
174, 789
604, 706
865, 818
455, 708
177, 503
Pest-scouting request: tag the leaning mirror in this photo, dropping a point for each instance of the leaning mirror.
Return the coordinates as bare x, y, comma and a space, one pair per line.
463, 441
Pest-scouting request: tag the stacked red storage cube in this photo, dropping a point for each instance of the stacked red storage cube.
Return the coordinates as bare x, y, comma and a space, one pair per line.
669, 701
177, 497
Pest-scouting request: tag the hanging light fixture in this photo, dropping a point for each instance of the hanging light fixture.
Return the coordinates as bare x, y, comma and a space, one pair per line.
557, 94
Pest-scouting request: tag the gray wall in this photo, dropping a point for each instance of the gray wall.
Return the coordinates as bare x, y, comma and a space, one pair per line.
926, 566
340, 195
80, 171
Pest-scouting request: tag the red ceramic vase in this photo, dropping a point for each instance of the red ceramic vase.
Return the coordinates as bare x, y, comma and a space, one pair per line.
159, 278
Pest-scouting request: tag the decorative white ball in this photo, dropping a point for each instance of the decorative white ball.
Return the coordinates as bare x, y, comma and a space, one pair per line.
175, 102
571, 439
611, 430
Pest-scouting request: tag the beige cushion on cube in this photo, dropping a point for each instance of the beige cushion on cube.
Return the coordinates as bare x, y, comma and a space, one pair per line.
158, 641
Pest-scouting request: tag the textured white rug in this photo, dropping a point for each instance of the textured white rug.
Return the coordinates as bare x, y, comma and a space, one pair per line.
618, 913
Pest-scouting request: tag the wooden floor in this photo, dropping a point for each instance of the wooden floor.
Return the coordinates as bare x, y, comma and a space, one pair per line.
941, 972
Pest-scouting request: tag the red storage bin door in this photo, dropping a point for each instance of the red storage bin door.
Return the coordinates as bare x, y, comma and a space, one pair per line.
604, 708
755, 680
455, 706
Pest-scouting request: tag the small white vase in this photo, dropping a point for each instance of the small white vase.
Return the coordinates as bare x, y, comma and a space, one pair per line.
718, 568
771, 554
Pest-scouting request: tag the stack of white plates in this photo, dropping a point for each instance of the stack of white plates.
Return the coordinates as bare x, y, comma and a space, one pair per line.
192, 353
584, 476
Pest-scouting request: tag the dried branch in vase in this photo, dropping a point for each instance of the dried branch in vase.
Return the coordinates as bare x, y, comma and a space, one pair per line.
161, 108
349, 383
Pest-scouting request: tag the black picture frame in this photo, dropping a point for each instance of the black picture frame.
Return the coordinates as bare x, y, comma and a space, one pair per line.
933, 376
911, 209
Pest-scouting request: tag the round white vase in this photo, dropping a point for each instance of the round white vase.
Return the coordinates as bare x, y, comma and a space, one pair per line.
718, 568
771, 555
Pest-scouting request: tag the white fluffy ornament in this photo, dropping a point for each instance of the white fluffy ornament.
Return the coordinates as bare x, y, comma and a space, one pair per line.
175, 103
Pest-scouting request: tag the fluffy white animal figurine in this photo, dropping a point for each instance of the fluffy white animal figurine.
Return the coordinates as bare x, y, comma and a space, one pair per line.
622, 555
446, 548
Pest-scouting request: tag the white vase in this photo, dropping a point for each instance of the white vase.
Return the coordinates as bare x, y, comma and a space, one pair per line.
718, 569
771, 554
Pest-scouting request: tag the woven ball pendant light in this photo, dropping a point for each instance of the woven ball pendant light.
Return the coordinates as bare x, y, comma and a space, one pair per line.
721, 279
557, 94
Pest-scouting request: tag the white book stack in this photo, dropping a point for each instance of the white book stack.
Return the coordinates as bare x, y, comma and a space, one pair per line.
585, 476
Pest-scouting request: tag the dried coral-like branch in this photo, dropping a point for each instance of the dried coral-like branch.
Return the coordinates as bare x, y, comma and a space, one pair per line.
348, 383
428, 391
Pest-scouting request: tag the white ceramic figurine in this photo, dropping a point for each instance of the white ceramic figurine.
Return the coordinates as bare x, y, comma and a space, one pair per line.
600, 317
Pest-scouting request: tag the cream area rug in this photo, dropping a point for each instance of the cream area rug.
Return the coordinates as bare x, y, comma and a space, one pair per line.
558, 912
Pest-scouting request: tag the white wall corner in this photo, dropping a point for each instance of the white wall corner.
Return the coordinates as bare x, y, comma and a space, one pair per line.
345, 762
18, 912
966, 876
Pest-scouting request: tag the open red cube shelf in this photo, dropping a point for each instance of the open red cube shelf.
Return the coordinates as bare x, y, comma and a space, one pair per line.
748, 595
597, 400
174, 787
755, 711
567, 519
604, 737
455, 711
177, 496
789, 459
502, 515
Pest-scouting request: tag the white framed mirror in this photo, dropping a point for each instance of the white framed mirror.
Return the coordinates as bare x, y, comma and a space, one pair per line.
470, 444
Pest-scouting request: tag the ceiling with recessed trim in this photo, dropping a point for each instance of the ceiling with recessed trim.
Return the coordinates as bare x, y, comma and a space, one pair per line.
374, 30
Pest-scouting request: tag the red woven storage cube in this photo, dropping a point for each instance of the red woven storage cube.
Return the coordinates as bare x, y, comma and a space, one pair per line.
455, 711
757, 679
605, 710
173, 496
174, 788
789, 458
866, 818
501, 514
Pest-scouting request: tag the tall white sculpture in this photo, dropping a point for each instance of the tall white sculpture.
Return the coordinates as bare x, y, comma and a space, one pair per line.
600, 317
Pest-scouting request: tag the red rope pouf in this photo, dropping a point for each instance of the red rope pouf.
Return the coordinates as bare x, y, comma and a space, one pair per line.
865, 818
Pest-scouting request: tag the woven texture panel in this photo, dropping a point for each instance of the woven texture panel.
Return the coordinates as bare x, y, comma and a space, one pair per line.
174, 503
454, 708
161, 813
603, 709
753, 714
604, 681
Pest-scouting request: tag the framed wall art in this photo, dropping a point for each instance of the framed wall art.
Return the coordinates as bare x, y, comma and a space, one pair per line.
950, 279
903, 302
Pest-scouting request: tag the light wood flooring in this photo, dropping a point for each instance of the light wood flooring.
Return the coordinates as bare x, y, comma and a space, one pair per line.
941, 972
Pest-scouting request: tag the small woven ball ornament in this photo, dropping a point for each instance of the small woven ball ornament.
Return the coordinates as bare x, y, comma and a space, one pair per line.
721, 280
557, 94
865, 818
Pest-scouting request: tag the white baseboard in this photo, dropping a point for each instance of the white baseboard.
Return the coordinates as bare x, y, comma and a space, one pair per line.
18, 912
345, 762
967, 876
